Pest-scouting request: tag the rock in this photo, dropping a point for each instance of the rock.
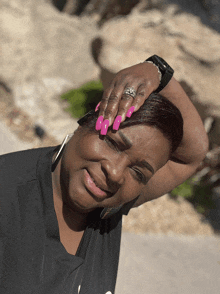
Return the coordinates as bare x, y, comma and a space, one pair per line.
105, 9
182, 40
207, 10
179, 217
44, 53
70, 6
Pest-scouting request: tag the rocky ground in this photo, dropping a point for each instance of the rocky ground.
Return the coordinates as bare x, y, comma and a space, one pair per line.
168, 216
20, 123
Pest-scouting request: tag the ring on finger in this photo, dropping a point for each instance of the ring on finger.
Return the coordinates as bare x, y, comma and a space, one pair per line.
130, 91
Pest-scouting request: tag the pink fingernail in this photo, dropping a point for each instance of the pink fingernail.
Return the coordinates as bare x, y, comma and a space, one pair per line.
98, 125
130, 111
104, 128
117, 123
97, 106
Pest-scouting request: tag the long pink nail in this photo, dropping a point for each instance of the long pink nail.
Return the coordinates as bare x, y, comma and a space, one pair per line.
117, 123
98, 125
104, 128
97, 106
130, 111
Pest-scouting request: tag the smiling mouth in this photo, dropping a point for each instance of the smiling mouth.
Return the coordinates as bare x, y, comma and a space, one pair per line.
93, 187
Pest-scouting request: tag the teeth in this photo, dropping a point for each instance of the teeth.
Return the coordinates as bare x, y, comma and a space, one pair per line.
98, 186
96, 183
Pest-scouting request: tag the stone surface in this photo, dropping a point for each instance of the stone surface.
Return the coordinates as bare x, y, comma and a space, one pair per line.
43, 53
9, 142
207, 10
179, 217
159, 264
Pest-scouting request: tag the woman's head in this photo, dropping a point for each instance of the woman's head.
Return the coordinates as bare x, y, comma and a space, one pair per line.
156, 111
108, 171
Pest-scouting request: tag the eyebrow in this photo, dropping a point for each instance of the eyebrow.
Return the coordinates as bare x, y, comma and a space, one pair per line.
142, 163
125, 139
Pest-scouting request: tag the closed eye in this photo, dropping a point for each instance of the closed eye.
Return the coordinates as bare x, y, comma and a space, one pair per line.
140, 177
137, 174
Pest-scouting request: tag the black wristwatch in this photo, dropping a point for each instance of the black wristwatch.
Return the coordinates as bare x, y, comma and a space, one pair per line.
164, 68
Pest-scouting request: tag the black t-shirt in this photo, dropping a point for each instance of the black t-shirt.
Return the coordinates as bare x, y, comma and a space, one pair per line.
32, 258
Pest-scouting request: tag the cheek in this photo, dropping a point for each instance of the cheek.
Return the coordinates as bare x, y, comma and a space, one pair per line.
89, 149
130, 190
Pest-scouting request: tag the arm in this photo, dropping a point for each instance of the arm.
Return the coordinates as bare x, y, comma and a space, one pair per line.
188, 155
194, 145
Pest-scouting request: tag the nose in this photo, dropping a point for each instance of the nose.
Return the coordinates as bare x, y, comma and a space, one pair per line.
114, 169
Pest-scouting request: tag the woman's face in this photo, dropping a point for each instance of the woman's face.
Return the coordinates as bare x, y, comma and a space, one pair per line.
110, 171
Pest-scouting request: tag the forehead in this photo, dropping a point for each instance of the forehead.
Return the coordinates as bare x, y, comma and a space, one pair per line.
147, 143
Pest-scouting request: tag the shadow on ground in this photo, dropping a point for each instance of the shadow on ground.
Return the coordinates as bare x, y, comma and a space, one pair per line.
208, 11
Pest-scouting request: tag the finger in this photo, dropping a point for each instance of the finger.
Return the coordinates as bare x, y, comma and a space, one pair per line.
112, 104
105, 98
110, 112
102, 106
97, 106
142, 94
124, 106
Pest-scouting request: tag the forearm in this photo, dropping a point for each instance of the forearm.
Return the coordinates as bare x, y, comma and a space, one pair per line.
188, 155
194, 145
165, 180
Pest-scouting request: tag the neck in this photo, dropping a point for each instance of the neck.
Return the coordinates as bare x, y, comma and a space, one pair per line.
74, 220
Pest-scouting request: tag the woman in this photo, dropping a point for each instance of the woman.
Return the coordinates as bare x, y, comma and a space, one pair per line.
61, 222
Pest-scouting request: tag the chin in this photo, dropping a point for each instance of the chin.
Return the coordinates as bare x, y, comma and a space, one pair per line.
81, 202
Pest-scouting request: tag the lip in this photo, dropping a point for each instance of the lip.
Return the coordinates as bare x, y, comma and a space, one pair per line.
92, 186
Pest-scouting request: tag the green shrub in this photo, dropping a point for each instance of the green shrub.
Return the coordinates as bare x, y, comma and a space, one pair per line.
83, 99
184, 190
198, 193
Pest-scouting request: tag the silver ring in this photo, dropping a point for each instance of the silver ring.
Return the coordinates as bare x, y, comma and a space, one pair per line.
130, 91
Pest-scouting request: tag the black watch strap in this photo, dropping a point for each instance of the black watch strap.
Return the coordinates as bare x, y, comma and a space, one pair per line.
164, 68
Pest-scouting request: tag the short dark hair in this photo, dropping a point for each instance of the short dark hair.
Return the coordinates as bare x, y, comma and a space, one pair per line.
156, 111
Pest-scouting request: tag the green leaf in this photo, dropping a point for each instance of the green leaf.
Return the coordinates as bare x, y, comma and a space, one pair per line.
184, 190
83, 99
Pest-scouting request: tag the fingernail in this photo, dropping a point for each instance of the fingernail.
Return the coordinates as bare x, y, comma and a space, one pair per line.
97, 106
104, 128
130, 111
117, 123
99, 123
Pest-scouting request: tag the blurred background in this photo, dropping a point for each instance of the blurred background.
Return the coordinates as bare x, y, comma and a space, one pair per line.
56, 55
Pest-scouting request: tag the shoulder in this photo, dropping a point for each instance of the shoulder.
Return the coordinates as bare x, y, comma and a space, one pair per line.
20, 166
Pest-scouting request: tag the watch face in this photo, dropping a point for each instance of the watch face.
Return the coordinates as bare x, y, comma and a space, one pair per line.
161, 63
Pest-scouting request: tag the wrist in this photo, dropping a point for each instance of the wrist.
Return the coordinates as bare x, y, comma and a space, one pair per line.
158, 70
153, 76
164, 70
